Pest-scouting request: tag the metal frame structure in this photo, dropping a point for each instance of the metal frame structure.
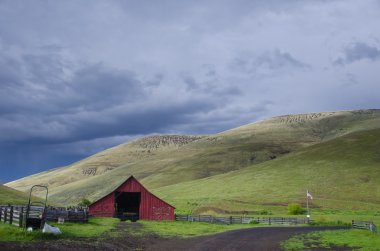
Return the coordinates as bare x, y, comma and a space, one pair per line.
41, 219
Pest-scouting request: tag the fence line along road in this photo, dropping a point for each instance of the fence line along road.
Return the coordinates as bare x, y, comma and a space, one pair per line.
242, 219
368, 225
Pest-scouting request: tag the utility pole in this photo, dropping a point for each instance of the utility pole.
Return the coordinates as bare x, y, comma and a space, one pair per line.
307, 204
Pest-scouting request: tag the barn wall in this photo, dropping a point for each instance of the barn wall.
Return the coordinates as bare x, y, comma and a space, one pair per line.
151, 207
104, 207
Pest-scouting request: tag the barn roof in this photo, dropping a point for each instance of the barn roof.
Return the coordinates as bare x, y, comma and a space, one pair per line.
132, 178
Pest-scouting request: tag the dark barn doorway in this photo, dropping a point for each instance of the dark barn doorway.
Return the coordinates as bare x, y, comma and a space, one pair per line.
128, 205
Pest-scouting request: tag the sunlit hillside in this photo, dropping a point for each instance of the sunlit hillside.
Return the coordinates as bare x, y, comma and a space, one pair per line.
343, 173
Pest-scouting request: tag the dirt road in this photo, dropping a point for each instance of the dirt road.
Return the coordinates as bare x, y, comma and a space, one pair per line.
262, 239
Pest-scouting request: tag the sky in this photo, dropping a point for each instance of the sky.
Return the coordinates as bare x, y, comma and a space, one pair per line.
80, 76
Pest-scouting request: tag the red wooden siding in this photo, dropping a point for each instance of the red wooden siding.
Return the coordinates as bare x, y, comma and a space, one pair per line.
151, 207
105, 207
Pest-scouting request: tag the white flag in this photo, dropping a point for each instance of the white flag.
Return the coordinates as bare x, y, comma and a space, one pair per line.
308, 195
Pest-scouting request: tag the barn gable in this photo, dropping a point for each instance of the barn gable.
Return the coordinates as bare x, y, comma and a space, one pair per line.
131, 197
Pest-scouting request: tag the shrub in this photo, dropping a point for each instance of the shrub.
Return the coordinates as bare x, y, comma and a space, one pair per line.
84, 202
265, 212
295, 209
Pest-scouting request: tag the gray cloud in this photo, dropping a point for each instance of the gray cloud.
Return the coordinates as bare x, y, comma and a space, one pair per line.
358, 51
350, 80
57, 104
267, 63
41, 86
191, 84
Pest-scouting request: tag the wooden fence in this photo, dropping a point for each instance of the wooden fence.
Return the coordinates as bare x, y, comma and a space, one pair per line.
16, 215
71, 215
242, 219
368, 225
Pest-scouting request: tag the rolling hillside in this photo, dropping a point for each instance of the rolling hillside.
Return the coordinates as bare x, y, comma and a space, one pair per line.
276, 158
343, 173
12, 196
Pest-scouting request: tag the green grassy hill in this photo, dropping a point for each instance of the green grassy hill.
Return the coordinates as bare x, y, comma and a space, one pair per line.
12, 196
343, 173
266, 163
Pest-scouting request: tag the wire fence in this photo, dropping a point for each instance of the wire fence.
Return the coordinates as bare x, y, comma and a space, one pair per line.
243, 220
368, 225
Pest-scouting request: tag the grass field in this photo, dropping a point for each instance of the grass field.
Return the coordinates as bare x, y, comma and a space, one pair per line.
343, 174
356, 239
12, 196
94, 228
98, 226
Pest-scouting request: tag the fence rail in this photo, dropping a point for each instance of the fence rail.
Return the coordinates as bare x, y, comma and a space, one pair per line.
16, 215
368, 225
74, 215
242, 219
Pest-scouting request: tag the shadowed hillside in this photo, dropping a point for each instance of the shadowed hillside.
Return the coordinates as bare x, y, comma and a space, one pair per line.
173, 161
11, 196
106, 161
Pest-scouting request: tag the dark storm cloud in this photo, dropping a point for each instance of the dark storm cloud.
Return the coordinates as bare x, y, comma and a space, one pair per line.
96, 88
358, 51
124, 121
40, 85
44, 105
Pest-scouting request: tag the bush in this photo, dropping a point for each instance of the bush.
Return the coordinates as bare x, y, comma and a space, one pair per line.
254, 222
84, 202
296, 209
265, 212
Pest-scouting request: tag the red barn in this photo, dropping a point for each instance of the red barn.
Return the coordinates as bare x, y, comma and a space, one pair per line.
131, 199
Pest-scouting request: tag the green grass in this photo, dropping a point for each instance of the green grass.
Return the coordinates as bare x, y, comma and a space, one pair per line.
356, 239
187, 229
95, 227
13, 233
347, 218
342, 173
12, 196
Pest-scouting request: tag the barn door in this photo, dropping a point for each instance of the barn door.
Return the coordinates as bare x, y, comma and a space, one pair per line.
128, 205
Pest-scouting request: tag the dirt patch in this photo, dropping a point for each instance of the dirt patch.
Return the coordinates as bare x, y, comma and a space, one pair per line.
121, 238
266, 238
